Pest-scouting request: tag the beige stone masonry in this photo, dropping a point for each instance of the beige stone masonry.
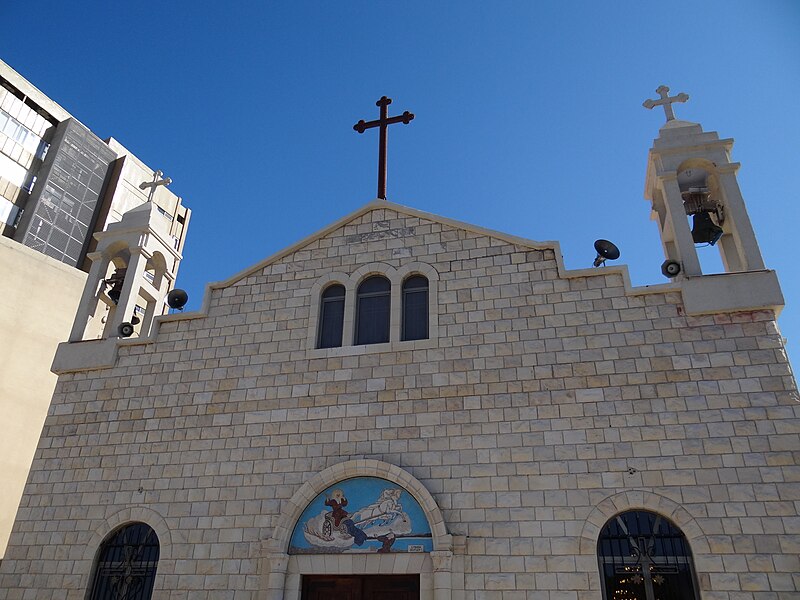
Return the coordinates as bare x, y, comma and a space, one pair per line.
547, 402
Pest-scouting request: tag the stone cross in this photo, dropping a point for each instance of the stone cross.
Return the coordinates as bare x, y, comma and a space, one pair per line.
666, 101
384, 121
157, 181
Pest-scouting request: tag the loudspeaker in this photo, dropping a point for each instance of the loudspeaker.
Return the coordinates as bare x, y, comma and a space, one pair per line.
605, 251
670, 268
177, 299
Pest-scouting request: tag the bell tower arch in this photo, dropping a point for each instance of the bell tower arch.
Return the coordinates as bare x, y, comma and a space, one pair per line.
690, 175
133, 269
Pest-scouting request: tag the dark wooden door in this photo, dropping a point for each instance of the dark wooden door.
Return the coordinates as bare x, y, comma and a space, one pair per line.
360, 587
392, 587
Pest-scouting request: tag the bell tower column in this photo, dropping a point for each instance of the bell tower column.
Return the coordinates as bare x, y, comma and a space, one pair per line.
127, 300
155, 302
677, 240
91, 295
742, 252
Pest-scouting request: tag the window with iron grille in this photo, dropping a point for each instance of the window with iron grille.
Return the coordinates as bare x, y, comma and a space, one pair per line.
126, 564
643, 556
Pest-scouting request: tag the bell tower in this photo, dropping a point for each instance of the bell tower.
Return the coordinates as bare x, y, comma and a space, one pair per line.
690, 175
133, 269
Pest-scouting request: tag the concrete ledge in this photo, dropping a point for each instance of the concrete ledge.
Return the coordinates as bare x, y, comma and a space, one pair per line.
732, 292
87, 355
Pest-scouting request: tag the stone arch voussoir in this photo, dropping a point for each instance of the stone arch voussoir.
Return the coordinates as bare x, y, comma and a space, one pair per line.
643, 500
294, 507
131, 514
376, 268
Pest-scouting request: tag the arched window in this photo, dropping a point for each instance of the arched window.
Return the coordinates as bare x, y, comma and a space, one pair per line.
331, 317
644, 556
126, 564
372, 311
415, 308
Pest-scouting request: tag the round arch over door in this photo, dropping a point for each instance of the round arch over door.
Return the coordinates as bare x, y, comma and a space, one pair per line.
283, 572
644, 556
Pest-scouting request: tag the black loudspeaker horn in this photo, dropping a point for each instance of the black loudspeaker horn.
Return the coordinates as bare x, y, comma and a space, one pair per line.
605, 251
177, 299
704, 231
670, 268
125, 330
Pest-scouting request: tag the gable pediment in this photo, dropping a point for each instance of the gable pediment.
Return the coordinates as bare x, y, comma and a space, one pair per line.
381, 221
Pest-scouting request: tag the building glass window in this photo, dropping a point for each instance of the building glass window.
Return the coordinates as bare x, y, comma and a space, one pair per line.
19, 133
12, 171
644, 556
415, 308
331, 317
372, 311
126, 564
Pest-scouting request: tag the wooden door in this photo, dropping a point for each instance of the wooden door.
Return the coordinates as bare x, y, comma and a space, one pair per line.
360, 587
391, 587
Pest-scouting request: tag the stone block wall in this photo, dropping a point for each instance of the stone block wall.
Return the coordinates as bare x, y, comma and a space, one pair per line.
544, 403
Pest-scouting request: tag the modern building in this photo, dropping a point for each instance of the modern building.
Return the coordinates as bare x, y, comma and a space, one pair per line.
59, 185
405, 406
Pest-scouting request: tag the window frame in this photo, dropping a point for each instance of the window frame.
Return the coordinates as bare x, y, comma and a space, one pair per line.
116, 540
681, 557
405, 309
359, 316
351, 281
323, 304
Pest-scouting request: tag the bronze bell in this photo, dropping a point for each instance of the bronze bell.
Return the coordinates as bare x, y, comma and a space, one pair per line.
116, 280
704, 230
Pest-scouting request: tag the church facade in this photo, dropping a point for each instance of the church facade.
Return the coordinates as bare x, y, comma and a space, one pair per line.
405, 406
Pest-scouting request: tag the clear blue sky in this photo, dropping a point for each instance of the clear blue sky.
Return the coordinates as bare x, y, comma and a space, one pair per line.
529, 116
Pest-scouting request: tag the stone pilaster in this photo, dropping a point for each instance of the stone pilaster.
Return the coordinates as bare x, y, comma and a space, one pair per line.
442, 574
275, 564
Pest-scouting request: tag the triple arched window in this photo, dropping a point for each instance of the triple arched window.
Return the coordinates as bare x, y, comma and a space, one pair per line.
126, 564
373, 311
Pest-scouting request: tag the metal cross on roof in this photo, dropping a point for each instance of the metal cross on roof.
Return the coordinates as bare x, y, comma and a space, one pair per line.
383, 122
666, 101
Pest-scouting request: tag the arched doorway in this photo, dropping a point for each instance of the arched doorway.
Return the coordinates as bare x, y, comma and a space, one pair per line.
362, 515
380, 535
644, 556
